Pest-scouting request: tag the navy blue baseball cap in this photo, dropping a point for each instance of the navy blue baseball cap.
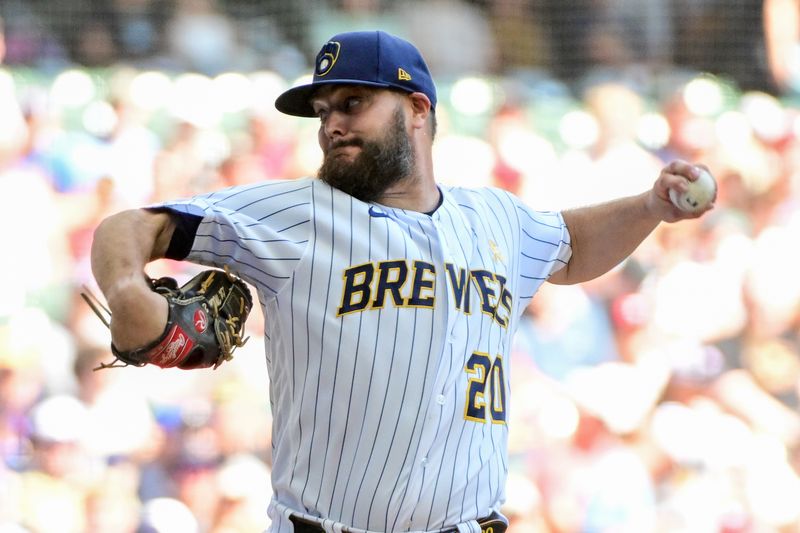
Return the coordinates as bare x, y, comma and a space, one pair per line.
372, 58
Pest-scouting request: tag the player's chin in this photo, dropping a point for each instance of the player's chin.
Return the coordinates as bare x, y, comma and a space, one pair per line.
342, 159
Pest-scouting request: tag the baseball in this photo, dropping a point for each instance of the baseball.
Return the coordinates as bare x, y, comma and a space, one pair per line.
700, 193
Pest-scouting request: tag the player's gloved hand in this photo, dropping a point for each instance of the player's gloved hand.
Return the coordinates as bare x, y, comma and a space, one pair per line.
205, 323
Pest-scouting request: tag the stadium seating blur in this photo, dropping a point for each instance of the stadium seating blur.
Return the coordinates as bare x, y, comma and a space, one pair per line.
662, 397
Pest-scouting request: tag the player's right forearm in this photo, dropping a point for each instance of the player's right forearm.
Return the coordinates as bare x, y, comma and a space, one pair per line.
123, 244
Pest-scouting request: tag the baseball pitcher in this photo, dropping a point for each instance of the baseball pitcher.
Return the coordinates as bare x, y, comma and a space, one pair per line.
390, 300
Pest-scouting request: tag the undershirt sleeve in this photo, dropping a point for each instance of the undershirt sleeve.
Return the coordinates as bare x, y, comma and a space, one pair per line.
186, 225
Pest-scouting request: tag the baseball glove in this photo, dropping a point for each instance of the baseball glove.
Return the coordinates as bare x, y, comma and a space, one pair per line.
205, 323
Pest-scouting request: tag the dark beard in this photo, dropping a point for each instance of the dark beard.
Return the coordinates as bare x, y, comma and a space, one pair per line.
378, 166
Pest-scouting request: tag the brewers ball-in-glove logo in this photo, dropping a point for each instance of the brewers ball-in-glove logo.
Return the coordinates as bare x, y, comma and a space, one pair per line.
327, 57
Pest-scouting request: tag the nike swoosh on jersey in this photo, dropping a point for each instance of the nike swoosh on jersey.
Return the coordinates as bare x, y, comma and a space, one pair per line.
375, 213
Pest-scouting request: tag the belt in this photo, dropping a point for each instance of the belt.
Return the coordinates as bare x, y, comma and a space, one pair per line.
493, 523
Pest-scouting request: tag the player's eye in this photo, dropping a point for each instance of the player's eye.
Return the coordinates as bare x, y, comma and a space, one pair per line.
351, 103
321, 113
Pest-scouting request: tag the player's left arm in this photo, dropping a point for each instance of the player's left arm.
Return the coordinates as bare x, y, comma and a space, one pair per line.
603, 235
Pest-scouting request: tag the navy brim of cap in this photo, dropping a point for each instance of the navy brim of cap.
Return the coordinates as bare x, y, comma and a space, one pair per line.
297, 100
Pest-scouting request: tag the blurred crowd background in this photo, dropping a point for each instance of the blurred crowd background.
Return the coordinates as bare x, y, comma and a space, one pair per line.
662, 397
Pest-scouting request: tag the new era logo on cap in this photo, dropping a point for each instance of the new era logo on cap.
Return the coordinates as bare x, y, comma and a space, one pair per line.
373, 58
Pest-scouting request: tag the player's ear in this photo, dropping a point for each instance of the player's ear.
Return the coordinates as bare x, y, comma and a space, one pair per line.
420, 109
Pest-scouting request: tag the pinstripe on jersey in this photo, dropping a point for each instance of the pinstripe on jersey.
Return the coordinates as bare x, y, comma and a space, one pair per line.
385, 337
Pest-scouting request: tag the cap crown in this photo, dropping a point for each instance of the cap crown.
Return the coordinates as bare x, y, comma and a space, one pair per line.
373, 58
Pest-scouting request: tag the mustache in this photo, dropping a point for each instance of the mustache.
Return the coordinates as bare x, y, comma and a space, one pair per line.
348, 142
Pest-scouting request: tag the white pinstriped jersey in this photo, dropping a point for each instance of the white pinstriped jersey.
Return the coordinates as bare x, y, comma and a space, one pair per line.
386, 332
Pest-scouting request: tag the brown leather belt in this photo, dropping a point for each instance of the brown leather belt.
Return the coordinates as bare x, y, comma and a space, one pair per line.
491, 524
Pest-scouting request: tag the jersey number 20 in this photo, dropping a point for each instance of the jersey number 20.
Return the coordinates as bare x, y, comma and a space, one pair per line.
486, 391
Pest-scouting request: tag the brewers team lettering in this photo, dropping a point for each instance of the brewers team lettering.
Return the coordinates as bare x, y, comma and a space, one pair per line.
387, 335
406, 283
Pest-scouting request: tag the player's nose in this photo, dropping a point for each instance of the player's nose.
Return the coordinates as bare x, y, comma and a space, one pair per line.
335, 125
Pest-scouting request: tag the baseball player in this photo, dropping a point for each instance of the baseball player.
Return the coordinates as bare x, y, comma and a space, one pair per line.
390, 300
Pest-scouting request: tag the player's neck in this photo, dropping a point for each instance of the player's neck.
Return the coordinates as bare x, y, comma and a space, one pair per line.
414, 193
417, 192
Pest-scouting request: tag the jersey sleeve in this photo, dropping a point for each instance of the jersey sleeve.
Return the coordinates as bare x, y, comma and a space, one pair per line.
544, 246
260, 231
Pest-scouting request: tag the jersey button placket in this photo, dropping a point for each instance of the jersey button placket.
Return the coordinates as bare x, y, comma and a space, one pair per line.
445, 306
449, 307
435, 411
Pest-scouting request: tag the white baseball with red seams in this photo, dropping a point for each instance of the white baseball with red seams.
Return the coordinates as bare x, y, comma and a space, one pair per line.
387, 338
699, 193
